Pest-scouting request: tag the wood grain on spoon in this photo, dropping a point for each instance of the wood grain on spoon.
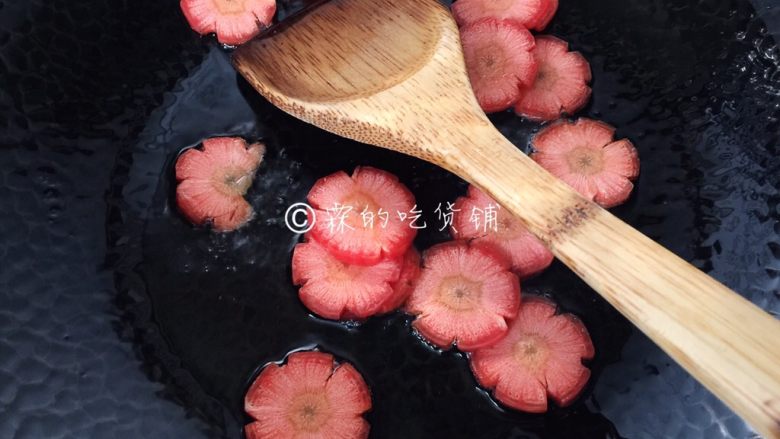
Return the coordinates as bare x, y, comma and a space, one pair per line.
390, 73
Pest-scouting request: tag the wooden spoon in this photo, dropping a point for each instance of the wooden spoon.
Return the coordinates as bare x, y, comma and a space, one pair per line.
390, 73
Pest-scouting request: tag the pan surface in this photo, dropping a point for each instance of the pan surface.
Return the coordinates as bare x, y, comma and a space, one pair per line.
118, 319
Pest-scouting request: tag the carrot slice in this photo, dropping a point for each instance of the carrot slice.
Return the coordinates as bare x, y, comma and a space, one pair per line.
499, 62
526, 253
363, 218
561, 85
585, 155
309, 396
528, 13
540, 356
336, 290
212, 182
464, 296
234, 21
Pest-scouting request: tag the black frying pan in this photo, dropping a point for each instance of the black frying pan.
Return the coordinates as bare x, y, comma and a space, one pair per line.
118, 319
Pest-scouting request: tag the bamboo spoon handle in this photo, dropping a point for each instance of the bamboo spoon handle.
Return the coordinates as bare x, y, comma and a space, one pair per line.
723, 340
